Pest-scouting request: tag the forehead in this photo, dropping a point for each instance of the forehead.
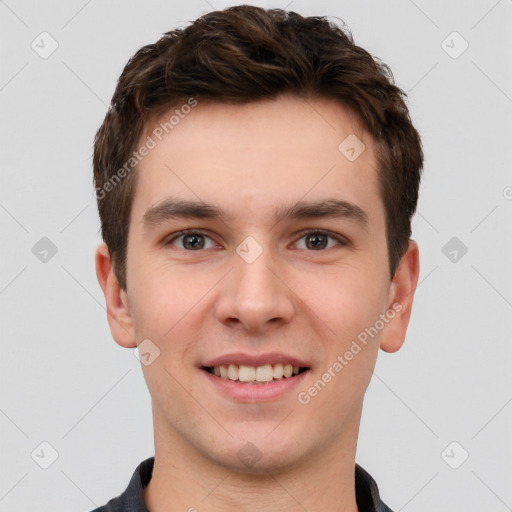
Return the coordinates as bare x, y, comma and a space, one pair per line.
254, 159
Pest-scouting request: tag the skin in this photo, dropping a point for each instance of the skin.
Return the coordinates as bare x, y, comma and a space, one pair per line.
311, 303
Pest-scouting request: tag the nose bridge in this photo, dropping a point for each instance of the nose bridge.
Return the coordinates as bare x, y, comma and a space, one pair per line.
253, 294
254, 278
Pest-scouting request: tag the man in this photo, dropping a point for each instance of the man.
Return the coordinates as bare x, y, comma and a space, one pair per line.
256, 176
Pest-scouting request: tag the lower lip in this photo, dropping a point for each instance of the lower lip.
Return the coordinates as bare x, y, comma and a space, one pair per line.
266, 392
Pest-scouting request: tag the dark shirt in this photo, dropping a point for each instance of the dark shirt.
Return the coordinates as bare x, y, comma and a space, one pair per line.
132, 499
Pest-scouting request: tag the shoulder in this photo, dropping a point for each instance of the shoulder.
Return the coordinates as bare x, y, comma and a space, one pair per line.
367, 493
105, 508
132, 499
116, 504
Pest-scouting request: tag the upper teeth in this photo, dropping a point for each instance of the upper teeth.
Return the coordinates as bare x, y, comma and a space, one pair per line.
264, 373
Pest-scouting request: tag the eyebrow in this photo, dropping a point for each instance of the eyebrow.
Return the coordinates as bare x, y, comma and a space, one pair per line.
170, 209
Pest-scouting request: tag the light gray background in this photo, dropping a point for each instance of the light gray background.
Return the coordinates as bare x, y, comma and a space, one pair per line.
63, 379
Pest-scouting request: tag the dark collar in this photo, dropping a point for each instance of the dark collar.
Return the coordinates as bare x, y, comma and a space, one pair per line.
132, 499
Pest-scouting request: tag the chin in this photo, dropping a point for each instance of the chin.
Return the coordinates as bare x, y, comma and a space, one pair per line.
263, 464
258, 454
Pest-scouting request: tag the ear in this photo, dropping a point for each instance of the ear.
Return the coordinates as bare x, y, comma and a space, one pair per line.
118, 311
401, 294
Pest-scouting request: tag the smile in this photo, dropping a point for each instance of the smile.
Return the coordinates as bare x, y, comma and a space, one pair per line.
255, 374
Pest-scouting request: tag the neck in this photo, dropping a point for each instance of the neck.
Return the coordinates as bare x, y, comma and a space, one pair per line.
185, 480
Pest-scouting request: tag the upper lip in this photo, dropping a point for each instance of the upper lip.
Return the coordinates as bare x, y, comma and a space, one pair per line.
240, 358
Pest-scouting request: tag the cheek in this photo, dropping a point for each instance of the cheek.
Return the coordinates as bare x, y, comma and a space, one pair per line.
162, 295
345, 300
169, 309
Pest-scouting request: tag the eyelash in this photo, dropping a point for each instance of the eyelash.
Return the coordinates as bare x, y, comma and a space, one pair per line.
340, 239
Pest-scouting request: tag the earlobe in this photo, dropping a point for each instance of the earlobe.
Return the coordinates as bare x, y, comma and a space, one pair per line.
118, 311
401, 295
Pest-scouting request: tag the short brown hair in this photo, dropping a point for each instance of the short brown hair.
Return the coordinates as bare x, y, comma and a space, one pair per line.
244, 54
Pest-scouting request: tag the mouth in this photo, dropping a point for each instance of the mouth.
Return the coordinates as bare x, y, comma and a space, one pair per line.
255, 375
255, 378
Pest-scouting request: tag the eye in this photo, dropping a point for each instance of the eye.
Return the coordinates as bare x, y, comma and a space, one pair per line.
315, 240
318, 240
191, 240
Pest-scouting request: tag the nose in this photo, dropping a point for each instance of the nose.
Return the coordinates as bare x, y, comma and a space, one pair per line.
255, 296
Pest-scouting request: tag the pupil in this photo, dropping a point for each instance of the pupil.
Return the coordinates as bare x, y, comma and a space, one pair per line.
318, 241
193, 241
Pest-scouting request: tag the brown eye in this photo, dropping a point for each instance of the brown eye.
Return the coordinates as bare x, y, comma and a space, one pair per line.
319, 240
191, 241
316, 241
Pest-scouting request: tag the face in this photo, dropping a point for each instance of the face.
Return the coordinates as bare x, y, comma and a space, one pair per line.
287, 265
